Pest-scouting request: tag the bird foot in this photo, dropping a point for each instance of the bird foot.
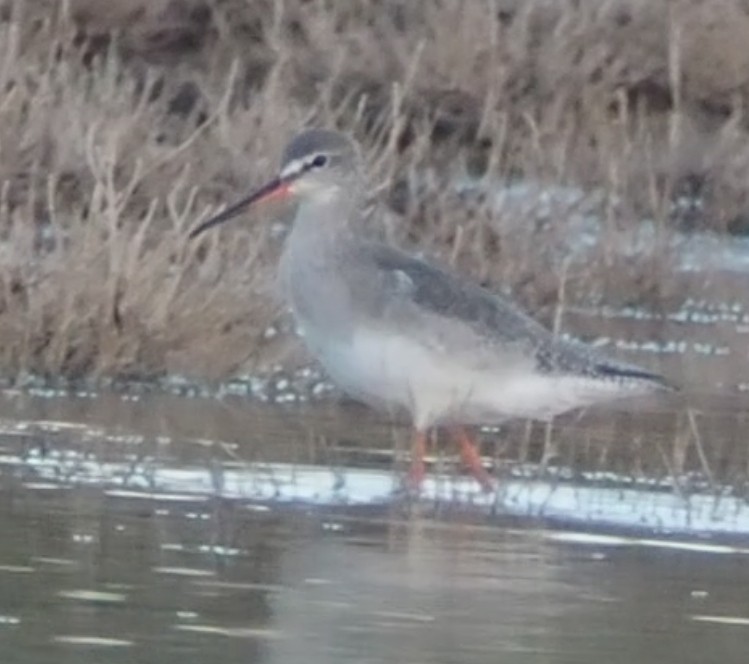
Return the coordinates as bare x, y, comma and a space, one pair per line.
472, 460
417, 471
468, 453
415, 476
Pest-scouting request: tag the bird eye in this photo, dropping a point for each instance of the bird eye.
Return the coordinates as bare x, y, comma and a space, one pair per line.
319, 161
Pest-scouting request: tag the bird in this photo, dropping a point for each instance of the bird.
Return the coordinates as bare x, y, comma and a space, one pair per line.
408, 335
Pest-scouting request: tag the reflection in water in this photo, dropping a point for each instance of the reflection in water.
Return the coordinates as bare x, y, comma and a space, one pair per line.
128, 533
87, 578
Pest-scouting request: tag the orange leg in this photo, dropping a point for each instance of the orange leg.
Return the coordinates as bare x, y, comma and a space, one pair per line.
418, 469
471, 458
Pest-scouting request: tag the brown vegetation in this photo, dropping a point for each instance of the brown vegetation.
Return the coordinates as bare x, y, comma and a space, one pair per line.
122, 123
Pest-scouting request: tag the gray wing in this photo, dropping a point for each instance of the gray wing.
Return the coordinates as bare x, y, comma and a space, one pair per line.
418, 290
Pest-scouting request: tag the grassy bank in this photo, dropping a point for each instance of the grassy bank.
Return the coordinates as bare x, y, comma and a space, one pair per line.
124, 123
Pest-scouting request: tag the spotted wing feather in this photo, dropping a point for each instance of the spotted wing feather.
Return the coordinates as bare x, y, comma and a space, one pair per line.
495, 319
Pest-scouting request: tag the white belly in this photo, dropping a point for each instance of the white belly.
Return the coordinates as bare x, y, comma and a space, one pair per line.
394, 372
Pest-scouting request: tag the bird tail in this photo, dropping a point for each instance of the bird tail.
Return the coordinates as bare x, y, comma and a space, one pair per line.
625, 373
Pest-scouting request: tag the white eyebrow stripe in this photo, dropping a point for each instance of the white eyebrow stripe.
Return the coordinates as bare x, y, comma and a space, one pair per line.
295, 167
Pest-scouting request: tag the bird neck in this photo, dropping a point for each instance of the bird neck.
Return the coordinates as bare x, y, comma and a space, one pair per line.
327, 222
312, 268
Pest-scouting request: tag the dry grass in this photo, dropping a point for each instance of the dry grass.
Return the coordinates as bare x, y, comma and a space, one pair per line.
122, 123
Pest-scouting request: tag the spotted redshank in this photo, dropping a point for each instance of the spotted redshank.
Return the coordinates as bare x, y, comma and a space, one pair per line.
403, 334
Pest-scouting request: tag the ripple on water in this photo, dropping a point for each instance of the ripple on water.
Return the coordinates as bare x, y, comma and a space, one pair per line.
593, 539
231, 632
722, 620
91, 640
184, 571
93, 596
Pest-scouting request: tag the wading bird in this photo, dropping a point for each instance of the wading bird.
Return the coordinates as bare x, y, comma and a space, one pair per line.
402, 334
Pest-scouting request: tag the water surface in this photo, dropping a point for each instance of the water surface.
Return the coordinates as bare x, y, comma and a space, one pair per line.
86, 578
173, 530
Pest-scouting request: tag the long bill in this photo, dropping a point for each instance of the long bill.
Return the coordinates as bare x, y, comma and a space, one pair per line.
277, 187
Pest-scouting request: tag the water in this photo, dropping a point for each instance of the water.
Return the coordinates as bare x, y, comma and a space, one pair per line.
174, 530
85, 578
